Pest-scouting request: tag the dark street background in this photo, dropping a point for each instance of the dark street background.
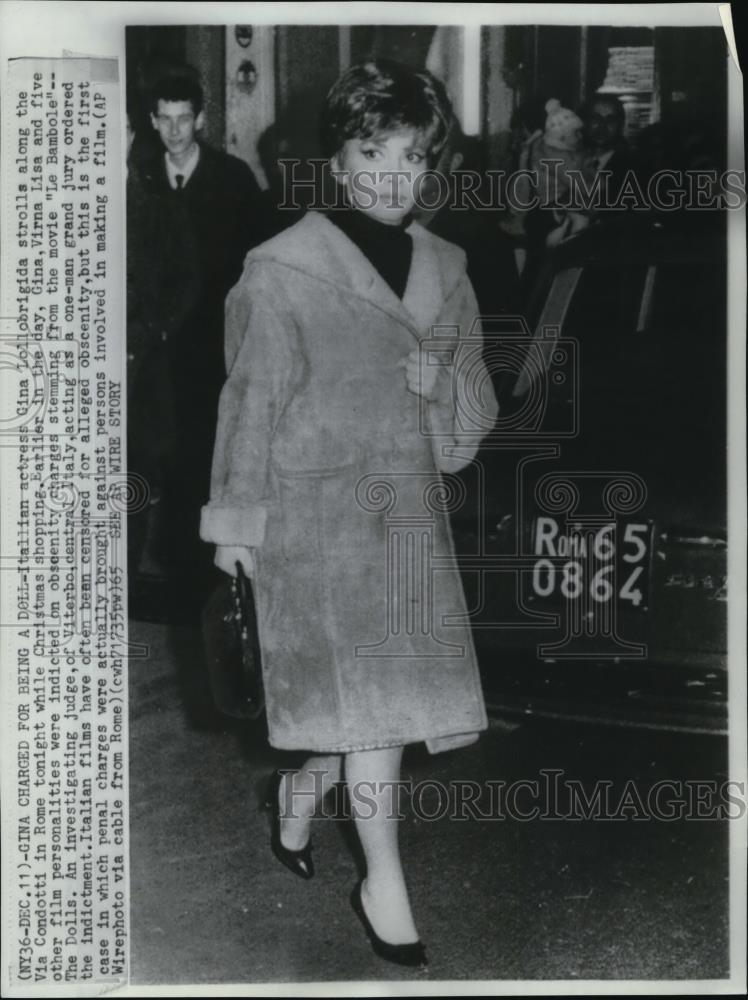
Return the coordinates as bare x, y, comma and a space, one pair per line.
492, 899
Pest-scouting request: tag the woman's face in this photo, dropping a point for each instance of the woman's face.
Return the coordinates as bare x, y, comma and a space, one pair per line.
380, 173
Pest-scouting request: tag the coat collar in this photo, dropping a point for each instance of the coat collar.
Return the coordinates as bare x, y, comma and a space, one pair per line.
316, 246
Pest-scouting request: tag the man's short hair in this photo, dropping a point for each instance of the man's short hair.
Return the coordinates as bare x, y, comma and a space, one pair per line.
381, 96
177, 87
611, 100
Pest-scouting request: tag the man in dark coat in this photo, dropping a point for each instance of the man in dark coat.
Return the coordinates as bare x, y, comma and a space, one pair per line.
608, 153
228, 216
163, 283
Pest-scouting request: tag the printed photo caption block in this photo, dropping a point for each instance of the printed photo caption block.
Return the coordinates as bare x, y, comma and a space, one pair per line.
62, 574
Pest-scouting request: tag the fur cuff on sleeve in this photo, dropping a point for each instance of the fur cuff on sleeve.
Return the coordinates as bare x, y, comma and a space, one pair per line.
224, 525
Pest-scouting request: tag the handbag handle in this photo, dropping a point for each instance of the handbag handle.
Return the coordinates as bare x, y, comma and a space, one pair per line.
241, 583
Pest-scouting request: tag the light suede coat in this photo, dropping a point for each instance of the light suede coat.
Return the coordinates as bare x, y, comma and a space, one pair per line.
326, 465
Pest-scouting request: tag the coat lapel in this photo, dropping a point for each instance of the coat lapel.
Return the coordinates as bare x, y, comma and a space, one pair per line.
316, 246
424, 292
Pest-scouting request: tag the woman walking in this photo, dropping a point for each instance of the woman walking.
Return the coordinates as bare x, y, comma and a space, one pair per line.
335, 426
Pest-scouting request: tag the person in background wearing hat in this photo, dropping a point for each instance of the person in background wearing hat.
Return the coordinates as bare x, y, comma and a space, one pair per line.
550, 158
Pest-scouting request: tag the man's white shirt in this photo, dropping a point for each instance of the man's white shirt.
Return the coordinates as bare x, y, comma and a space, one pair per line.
186, 171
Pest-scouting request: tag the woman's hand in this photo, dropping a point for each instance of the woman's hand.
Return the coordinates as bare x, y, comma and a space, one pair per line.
420, 378
227, 556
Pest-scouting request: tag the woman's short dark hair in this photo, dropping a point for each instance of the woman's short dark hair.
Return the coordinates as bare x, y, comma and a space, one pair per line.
177, 87
381, 96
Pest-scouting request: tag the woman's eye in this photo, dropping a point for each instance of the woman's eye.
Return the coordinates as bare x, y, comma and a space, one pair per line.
370, 154
416, 157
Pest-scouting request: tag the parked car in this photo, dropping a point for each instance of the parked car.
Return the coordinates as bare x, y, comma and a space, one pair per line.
593, 541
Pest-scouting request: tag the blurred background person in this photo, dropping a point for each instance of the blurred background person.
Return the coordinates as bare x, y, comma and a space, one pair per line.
226, 214
606, 148
459, 218
163, 285
546, 162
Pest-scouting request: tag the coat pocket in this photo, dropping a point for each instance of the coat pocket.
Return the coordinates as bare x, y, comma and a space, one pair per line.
306, 505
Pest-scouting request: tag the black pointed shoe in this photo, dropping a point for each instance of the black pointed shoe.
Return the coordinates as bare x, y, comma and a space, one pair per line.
413, 955
299, 862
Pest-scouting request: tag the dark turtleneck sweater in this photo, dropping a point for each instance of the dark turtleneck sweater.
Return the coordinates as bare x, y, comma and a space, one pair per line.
388, 248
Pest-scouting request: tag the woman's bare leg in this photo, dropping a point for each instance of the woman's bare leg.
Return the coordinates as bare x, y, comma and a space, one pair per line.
384, 894
308, 786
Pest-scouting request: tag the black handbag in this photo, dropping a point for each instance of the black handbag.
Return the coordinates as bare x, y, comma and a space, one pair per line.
232, 649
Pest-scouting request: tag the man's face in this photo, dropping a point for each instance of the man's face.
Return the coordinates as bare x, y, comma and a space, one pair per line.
380, 173
176, 123
604, 127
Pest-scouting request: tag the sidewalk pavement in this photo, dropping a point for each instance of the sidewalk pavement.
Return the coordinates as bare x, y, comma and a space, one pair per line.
493, 900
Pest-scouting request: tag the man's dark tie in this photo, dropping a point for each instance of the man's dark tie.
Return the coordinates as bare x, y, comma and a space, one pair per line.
179, 178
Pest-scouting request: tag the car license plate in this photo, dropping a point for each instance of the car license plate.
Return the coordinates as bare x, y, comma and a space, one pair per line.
599, 563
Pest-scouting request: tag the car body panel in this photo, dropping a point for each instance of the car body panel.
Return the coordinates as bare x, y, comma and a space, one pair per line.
629, 409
